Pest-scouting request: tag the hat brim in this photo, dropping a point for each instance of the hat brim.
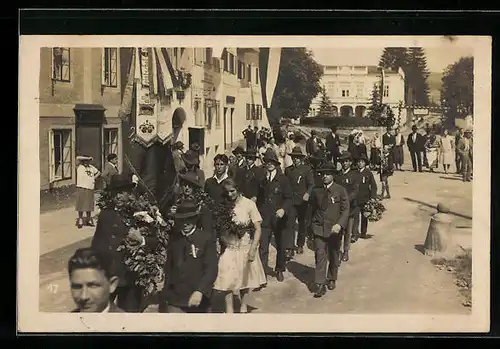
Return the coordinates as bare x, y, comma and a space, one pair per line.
189, 180
297, 155
276, 162
186, 215
84, 158
129, 186
189, 161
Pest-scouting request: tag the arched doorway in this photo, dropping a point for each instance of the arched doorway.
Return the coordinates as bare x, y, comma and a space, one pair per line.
360, 111
335, 111
346, 111
178, 119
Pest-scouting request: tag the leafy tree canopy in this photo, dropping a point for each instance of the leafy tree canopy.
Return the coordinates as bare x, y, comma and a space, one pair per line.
457, 92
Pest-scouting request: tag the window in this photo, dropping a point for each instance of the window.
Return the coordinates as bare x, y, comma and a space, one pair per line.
175, 59
110, 141
254, 114
386, 90
61, 64
248, 111
217, 114
345, 93
231, 63
208, 55
225, 58
259, 112
216, 63
257, 76
60, 159
241, 70
109, 67
208, 113
249, 73
197, 112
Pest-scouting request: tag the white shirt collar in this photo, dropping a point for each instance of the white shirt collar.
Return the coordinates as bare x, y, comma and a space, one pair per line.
346, 171
115, 166
106, 310
190, 232
329, 185
224, 177
251, 166
271, 175
241, 162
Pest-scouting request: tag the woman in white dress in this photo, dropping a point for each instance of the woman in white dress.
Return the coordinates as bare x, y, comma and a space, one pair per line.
447, 147
240, 268
86, 175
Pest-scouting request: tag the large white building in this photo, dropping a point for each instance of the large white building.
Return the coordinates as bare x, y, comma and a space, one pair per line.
350, 89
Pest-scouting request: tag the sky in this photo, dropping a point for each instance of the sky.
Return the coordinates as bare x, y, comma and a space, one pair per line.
438, 58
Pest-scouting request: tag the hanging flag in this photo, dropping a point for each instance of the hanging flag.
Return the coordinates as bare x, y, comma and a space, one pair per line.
128, 93
152, 72
185, 59
269, 71
166, 76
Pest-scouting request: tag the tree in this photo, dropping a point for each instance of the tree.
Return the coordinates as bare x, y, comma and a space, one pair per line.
375, 94
326, 106
457, 92
416, 74
298, 82
394, 58
381, 114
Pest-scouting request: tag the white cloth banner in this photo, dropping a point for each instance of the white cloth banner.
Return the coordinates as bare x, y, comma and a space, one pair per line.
273, 67
165, 73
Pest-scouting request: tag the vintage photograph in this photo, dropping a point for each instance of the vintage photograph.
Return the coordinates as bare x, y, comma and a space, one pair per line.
330, 177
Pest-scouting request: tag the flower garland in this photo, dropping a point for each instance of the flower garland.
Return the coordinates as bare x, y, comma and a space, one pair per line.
382, 115
373, 210
227, 229
146, 263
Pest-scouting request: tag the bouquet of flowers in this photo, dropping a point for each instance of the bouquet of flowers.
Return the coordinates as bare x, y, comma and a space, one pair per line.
373, 210
145, 262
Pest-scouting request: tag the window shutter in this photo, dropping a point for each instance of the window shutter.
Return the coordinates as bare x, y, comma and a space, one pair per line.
249, 73
103, 67
51, 157
52, 66
67, 155
66, 63
113, 68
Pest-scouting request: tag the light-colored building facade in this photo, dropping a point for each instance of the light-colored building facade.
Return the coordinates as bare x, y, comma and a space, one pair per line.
350, 89
78, 104
81, 92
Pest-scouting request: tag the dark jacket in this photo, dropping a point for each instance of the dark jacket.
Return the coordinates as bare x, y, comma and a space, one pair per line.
214, 190
251, 180
274, 195
113, 308
186, 274
109, 234
367, 187
333, 145
388, 139
301, 181
329, 207
416, 146
314, 147
357, 150
350, 181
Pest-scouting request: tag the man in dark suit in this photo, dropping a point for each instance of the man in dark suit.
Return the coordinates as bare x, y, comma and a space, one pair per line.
314, 144
92, 282
367, 190
110, 169
330, 214
252, 176
251, 137
414, 143
333, 145
110, 233
349, 179
274, 202
192, 264
302, 182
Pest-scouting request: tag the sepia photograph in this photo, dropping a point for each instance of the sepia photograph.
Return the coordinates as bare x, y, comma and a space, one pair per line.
329, 180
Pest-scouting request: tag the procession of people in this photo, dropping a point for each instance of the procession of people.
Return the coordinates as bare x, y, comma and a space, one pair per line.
220, 228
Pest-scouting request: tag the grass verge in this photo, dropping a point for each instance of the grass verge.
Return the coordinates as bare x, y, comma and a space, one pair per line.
461, 267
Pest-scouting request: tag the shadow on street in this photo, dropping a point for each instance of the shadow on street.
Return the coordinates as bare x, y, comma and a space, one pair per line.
420, 248
433, 206
303, 273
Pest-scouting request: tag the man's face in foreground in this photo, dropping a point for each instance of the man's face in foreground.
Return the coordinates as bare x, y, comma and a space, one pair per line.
91, 289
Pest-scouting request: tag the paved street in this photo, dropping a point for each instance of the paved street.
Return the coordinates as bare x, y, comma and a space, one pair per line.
387, 273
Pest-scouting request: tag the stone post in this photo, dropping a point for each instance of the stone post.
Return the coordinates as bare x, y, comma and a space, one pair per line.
438, 239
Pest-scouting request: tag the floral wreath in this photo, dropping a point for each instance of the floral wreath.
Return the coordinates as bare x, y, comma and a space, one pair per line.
373, 210
146, 263
228, 230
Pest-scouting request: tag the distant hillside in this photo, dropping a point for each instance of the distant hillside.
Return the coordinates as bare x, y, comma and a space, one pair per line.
434, 81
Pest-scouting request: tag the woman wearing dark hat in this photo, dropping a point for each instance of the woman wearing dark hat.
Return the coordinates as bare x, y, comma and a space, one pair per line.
192, 163
367, 190
358, 148
213, 185
302, 183
191, 263
86, 175
111, 231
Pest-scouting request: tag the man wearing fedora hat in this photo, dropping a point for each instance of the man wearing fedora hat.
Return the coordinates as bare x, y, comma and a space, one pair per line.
110, 232
333, 145
330, 213
274, 201
465, 150
302, 183
349, 179
177, 156
237, 169
252, 175
191, 267
367, 190
415, 144
192, 164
